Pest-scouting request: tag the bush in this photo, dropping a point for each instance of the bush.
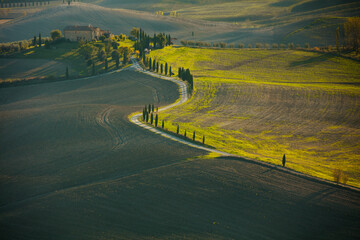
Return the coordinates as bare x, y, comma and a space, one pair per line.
223, 45
275, 45
282, 46
337, 175
267, 46
241, 45
307, 45
258, 45
89, 62
231, 45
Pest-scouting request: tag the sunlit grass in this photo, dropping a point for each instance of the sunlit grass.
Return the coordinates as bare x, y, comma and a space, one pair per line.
307, 120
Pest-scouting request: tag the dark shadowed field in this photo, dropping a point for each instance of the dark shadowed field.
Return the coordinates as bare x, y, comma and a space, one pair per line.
73, 167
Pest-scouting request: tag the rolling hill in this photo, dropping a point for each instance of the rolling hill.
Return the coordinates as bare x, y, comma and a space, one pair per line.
74, 167
229, 21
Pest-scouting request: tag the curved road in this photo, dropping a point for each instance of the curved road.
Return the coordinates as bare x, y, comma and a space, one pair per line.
183, 98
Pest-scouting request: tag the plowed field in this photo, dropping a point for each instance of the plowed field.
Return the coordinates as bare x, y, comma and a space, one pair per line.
73, 167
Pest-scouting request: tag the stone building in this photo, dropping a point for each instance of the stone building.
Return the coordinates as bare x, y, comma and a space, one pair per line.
85, 33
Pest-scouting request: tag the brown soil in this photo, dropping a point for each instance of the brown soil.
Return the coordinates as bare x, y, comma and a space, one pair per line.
74, 167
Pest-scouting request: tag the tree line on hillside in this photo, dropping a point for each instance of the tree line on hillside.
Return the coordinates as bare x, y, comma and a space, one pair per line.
154, 66
30, 3
149, 116
347, 38
36, 41
145, 41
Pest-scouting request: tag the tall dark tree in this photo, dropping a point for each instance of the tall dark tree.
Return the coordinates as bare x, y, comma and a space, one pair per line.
166, 68
143, 114
161, 68
177, 129
283, 160
157, 67
152, 118
34, 41
154, 65
152, 108
338, 39
67, 73
149, 108
156, 120
147, 117
179, 72
154, 40
170, 73
185, 133
194, 136
39, 39
203, 140
150, 64
163, 124
93, 68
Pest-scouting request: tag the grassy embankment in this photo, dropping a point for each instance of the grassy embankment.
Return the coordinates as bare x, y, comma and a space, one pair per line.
264, 103
52, 62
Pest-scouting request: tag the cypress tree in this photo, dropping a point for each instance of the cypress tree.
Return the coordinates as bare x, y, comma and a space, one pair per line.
162, 125
157, 67
194, 136
152, 118
93, 69
183, 74
185, 133
170, 73
143, 114
203, 139
34, 41
39, 39
150, 64
152, 108
179, 72
147, 117
161, 68
178, 129
284, 160
149, 108
156, 120
154, 40
117, 61
154, 65
166, 68
67, 73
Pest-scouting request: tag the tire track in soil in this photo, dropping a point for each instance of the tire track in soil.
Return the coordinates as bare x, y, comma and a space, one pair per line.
103, 119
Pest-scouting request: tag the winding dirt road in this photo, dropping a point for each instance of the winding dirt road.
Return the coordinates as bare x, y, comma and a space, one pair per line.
72, 166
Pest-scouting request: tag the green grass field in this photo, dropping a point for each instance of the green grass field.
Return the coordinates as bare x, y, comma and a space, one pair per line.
266, 103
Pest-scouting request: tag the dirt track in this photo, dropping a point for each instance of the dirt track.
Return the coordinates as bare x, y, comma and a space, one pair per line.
74, 167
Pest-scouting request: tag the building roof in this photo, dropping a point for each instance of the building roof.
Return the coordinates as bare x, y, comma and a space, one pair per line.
80, 28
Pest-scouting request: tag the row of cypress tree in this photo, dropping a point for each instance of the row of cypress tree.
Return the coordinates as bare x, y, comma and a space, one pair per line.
154, 66
185, 75
149, 117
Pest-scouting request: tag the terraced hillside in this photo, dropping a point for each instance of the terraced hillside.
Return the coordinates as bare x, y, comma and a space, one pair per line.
266, 103
73, 167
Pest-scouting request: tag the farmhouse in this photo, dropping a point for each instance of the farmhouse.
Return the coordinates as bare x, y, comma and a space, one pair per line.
77, 33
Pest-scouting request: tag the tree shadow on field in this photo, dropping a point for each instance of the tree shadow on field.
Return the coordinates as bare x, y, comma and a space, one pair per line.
309, 62
319, 195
